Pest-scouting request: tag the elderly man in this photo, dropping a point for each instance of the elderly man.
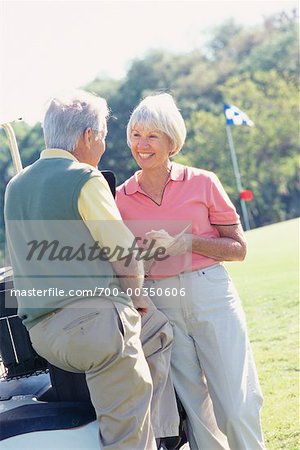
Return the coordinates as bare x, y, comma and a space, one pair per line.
55, 210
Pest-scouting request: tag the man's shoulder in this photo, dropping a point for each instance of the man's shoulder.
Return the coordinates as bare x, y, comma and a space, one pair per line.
77, 170
16, 179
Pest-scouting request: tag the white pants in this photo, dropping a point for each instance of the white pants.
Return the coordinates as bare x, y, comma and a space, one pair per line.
212, 365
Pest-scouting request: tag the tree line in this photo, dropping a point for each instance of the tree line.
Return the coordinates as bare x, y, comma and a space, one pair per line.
254, 68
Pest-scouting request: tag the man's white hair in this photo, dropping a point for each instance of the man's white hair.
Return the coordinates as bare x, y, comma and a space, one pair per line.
159, 112
69, 115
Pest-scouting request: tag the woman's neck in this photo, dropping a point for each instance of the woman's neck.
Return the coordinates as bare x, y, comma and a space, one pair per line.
153, 182
155, 177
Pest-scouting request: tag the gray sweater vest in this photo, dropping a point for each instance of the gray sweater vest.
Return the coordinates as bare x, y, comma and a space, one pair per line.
52, 252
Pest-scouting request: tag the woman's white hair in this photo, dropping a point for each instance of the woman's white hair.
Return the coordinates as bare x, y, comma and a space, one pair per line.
159, 112
69, 115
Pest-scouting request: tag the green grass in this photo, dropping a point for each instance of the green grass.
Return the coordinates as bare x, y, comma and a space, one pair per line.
268, 283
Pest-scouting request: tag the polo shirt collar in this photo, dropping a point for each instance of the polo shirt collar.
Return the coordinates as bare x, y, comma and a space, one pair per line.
132, 186
49, 153
177, 172
57, 153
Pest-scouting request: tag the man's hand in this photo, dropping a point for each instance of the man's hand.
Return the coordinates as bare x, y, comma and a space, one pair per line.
141, 304
131, 276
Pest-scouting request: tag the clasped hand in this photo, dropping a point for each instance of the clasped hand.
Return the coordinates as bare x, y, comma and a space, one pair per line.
175, 245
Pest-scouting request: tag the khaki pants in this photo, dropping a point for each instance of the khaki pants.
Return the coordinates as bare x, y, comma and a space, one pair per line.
102, 339
157, 340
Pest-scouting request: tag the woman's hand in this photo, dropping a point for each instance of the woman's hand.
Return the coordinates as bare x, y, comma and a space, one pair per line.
174, 245
180, 245
161, 238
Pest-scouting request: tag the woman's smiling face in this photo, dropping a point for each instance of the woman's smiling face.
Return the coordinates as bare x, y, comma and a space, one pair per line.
150, 148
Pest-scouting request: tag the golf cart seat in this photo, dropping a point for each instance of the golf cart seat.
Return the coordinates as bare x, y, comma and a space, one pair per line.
44, 417
63, 397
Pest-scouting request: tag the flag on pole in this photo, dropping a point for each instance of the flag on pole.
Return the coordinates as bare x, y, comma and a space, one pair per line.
234, 116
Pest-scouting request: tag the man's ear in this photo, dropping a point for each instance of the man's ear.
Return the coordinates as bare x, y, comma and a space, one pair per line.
87, 136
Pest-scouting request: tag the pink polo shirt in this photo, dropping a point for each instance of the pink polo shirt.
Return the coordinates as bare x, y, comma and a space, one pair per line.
192, 197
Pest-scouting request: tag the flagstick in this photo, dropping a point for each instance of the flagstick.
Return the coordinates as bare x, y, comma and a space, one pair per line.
237, 177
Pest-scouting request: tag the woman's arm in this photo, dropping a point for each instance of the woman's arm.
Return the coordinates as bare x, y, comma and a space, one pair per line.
230, 246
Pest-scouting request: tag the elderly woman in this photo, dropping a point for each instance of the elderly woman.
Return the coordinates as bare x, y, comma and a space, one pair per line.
187, 211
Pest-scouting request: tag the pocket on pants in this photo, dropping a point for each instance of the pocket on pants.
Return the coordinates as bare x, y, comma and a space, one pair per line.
215, 274
81, 321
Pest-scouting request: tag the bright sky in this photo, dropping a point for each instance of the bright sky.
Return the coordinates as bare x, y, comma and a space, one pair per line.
48, 46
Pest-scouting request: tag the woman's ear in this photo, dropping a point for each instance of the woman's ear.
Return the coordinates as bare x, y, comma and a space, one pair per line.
172, 146
173, 150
